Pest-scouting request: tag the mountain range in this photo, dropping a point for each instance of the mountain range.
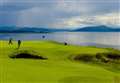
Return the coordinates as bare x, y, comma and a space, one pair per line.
28, 30
102, 28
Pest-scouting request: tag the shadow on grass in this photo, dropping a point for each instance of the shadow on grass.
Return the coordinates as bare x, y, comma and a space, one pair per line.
25, 54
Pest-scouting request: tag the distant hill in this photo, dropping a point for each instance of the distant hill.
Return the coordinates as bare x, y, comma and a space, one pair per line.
28, 30
7, 29
36, 30
101, 28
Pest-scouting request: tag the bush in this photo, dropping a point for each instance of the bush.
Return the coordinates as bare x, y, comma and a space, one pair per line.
101, 57
84, 57
114, 56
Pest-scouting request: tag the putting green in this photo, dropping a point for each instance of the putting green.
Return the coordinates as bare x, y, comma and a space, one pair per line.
58, 68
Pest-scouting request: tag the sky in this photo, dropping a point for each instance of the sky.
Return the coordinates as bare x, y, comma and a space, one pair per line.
59, 13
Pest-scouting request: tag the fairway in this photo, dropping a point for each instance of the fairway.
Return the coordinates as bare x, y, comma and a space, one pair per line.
58, 65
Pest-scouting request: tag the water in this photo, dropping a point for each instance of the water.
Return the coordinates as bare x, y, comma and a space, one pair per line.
102, 39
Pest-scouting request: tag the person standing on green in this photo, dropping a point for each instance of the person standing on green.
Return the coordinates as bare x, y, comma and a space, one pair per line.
19, 43
10, 41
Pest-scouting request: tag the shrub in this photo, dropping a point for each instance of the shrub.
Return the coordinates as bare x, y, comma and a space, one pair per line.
84, 57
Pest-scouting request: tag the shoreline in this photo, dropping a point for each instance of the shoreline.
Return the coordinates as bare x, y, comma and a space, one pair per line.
82, 44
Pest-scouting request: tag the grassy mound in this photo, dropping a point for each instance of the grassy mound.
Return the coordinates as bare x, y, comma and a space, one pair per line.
108, 57
26, 55
101, 57
59, 68
84, 57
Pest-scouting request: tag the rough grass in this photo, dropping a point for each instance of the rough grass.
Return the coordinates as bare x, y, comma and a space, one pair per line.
103, 57
59, 67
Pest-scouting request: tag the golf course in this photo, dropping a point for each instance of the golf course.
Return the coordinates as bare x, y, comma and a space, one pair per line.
51, 62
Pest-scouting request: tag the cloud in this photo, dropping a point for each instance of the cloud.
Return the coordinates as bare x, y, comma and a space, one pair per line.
21, 5
59, 13
8, 19
111, 19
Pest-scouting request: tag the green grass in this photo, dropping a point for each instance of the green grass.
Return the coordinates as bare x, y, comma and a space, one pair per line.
58, 68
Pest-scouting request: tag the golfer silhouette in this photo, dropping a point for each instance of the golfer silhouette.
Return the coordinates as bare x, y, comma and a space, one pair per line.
10, 41
19, 43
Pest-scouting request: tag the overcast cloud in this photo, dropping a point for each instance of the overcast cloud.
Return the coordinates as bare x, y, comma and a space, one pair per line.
59, 13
